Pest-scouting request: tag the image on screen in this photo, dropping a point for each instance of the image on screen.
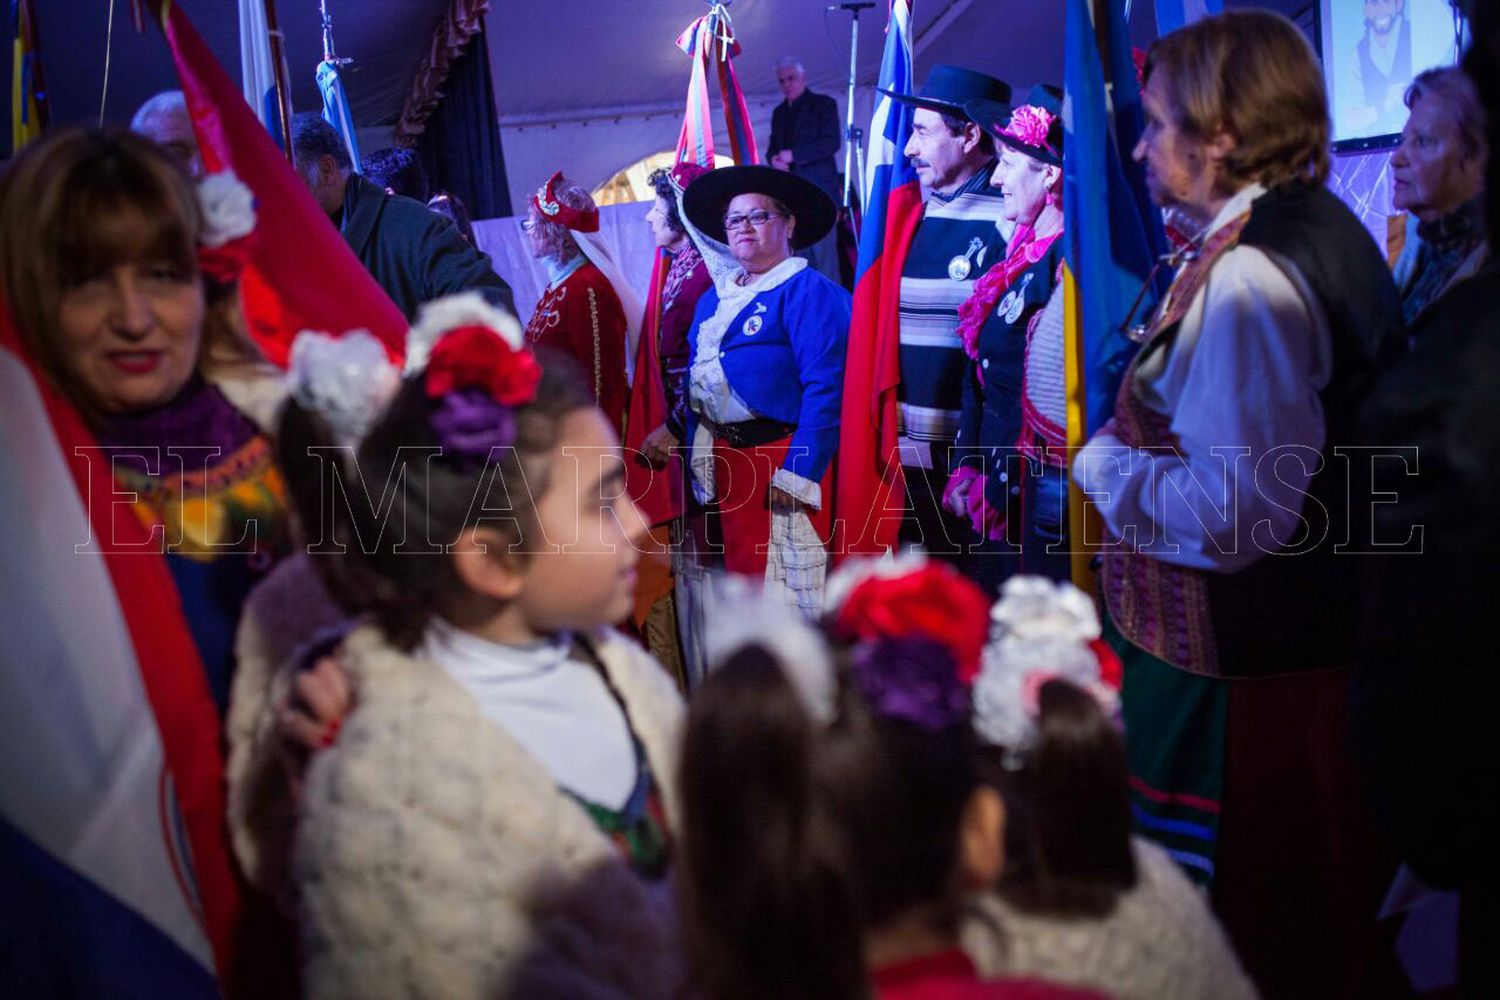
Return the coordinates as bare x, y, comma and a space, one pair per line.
1371, 51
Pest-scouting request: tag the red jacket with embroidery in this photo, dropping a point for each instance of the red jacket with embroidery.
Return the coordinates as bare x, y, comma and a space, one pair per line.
581, 317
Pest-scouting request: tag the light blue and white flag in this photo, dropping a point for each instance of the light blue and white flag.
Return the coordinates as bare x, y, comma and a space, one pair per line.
336, 107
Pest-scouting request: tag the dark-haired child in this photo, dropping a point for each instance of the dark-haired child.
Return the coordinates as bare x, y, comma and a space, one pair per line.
1080, 901
833, 817
492, 818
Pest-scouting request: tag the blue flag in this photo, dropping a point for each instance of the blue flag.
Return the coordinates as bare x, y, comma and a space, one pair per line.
336, 108
1113, 233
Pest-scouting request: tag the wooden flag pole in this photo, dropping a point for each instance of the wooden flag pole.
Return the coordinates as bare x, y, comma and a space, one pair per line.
283, 85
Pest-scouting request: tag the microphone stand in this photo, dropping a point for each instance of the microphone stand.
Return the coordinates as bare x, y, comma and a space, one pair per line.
854, 152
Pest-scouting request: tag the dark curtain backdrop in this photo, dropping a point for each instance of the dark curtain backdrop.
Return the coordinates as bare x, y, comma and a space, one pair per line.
460, 149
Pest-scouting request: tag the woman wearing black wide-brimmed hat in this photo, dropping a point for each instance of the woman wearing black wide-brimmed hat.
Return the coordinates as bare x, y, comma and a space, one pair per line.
766, 378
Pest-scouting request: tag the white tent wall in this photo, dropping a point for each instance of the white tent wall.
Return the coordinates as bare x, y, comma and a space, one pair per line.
592, 146
591, 150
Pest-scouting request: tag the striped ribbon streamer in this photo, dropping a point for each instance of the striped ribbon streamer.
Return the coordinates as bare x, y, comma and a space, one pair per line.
710, 43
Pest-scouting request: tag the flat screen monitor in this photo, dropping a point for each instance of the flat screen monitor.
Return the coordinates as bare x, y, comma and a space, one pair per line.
1371, 50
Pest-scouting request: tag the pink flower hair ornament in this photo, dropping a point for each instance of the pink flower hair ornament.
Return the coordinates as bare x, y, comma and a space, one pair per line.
1030, 125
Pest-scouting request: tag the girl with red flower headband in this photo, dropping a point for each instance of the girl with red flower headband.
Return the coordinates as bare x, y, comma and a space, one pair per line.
833, 816
499, 786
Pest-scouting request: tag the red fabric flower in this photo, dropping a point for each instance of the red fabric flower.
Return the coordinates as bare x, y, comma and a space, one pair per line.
1111, 671
224, 264
935, 602
476, 357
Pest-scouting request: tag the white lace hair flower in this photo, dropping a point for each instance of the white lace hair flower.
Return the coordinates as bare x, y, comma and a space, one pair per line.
1042, 631
743, 616
451, 312
1035, 607
228, 208
347, 380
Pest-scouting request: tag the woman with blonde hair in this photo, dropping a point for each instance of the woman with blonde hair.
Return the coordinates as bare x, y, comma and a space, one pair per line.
1221, 486
120, 279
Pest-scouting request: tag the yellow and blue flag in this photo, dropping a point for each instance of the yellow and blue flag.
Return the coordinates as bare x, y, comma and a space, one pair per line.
1113, 234
28, 94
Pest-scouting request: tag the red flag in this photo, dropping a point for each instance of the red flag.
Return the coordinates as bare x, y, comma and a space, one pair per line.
657, 492
871, 490
302, 275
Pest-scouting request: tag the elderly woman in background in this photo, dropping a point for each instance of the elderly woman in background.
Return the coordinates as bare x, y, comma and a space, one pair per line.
120, 278
1223, 500
765, 379
659, 410
686, 281
1437, 174
995, 328
587, 310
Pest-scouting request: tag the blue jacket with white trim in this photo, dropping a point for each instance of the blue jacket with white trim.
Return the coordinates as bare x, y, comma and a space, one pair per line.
790, 365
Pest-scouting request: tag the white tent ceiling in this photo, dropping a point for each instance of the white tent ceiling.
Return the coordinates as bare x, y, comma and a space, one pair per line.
586, 85
591, 87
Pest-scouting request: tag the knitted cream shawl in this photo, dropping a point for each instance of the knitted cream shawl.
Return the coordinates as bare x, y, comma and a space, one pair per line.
435, 857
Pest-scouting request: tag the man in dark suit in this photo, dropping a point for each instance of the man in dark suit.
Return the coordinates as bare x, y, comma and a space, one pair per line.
805, 141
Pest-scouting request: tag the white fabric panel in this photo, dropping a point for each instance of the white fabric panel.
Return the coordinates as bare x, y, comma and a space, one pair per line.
80, 758
622, 229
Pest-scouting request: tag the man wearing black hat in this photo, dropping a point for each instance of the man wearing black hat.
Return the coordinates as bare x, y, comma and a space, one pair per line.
959, 237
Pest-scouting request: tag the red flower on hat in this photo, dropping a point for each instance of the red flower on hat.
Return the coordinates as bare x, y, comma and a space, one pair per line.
476, 357
934, 602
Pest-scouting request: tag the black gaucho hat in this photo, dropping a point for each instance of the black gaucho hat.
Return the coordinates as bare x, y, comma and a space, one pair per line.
1033, 127
706, 198
949, 88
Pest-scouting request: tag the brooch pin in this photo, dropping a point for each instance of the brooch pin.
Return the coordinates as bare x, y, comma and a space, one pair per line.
1015, 301
753, 324
960, 267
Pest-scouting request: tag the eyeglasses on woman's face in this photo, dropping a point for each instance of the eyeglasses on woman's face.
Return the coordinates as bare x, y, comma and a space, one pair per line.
757, 219
527, 225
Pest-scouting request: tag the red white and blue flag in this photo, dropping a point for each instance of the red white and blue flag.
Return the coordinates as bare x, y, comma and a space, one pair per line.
710, 43
113, 852
870, 491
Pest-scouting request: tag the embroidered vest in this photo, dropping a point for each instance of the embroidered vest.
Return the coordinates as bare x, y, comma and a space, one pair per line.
1294, 610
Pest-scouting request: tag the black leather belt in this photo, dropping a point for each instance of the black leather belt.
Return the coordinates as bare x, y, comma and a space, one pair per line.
751, 433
